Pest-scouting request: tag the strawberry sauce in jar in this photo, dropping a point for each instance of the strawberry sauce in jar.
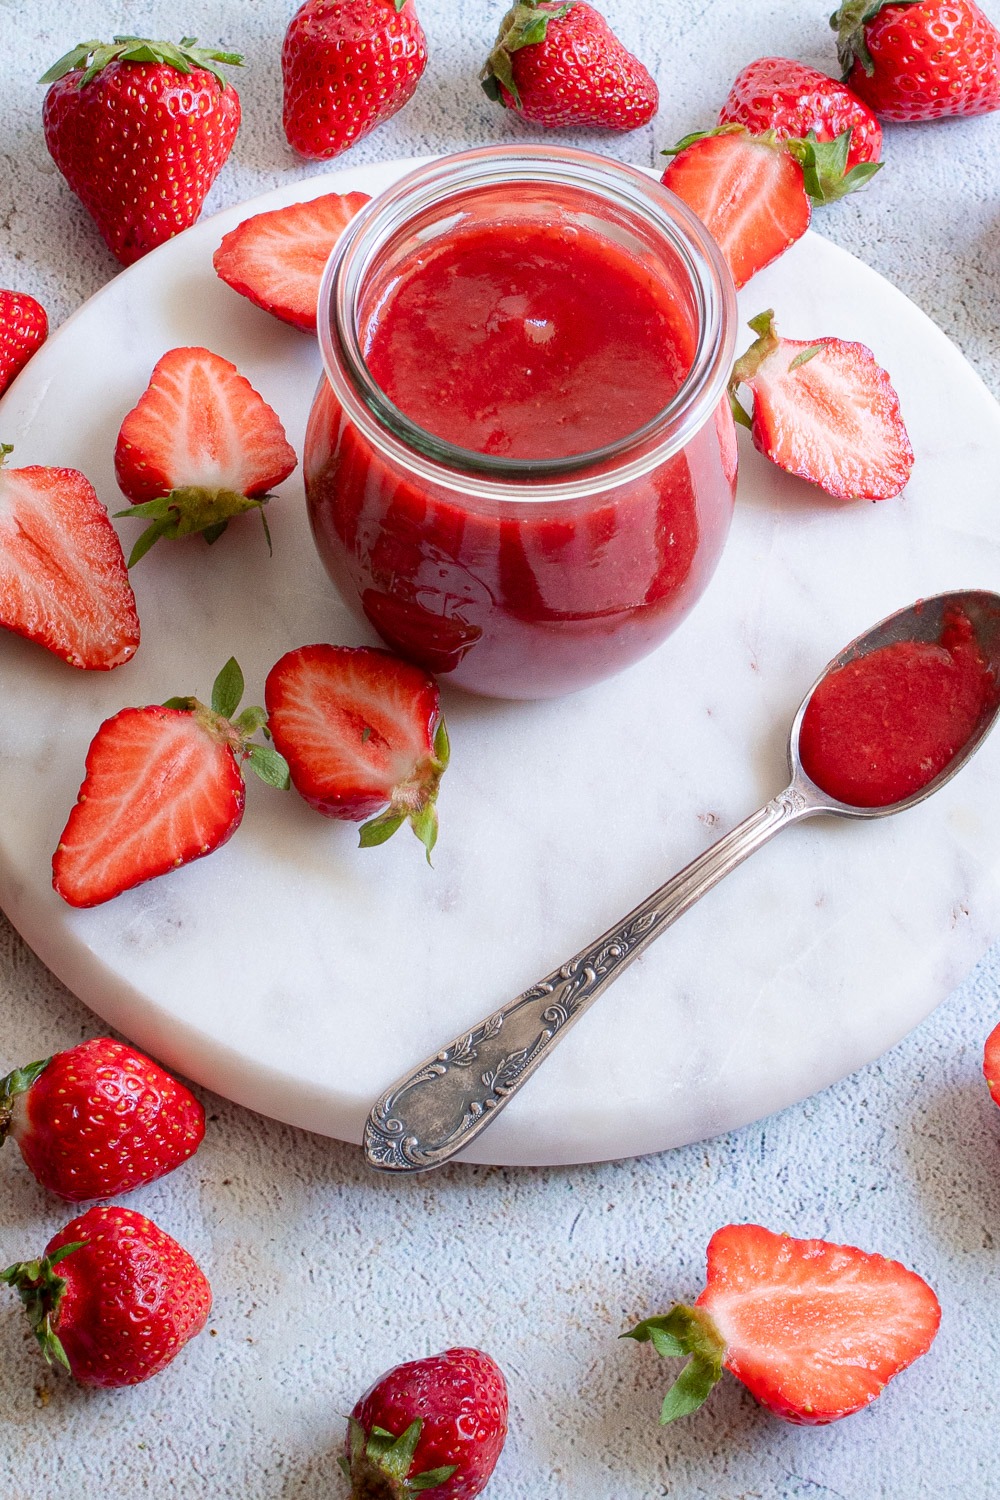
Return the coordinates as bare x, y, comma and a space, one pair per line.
520, 462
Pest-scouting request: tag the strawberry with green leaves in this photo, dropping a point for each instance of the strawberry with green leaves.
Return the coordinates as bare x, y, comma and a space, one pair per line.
63, 579
24, 327
363, 735
815, 1331
113, 1298
795, 101
200, 447
140, 130
277, 258
163, 786
824, 410
431, 1426
99, 1119
347, 66
557, 62
919, 59
754, 193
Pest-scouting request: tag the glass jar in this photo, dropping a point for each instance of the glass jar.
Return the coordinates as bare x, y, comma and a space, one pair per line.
506, 561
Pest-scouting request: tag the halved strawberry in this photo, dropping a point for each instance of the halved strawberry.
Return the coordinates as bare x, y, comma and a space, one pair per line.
825, 411
200, 447
63, 580
991, 1063
277, 258
163, 786
363, 736
814, 1330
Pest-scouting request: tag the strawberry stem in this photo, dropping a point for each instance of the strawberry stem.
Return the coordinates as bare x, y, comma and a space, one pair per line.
380, 1463
218, 721
18, 1081
41, 1290
685, 1331
524, 25
91, 58
849, 23
188, 510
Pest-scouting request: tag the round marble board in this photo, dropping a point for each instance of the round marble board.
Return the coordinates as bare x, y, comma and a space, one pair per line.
299, 975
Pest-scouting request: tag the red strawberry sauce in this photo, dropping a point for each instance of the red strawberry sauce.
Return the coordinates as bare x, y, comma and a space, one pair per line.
525, 338
880, 728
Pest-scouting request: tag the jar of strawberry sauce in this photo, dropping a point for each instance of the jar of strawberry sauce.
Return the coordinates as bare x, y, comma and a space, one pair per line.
520, 461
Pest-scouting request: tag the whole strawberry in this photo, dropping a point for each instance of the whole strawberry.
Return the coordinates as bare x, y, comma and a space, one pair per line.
561, 64
919, 59
24, 327
435, 1424
347, 66
991, 1064
815, 1331
779, 94
99, 1119
140, 130
113, 1298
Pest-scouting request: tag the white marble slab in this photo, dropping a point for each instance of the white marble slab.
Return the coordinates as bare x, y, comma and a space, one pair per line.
299, 975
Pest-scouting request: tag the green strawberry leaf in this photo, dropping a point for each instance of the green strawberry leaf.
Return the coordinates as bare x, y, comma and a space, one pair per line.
270, 766
380, 828
17, 1082
685, 1331
228, 689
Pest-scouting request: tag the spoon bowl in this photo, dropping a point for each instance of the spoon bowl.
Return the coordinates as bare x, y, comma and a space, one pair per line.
441, 1106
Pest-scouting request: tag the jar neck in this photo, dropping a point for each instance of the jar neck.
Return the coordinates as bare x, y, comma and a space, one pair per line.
434, 195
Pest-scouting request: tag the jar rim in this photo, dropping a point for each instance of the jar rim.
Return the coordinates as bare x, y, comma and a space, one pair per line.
492, 476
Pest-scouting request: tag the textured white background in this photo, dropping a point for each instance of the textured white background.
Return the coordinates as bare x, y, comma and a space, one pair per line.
322, 1275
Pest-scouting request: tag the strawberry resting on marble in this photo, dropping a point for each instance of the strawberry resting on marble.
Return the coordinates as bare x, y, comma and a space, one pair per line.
754, 193
363, 735
919, 59
276, 259
63, 579
814, 1330
24, 327
825, 411
140, 130
793, 100
431, 1426
163, 786
99, 1119
113, 1298
557, 62
200, 447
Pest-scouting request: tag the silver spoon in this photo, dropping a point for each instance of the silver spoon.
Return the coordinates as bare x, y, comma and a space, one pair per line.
435, 1111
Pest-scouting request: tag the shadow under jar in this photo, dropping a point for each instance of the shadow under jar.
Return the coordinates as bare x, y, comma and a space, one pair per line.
520, 462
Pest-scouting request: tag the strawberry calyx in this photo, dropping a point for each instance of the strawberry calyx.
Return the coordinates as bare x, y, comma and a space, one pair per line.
41, 1289
748, 364
91, 58
524, 25
218, 720
849, 22
824, 163
379, 1464
17, 1082
188, 510
413, 800
685, 1332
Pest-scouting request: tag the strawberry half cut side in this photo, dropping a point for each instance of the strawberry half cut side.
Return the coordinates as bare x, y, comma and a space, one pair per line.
814, 1330
825, 411
200, 447
363, 735
163, 785
63, 579
277, 258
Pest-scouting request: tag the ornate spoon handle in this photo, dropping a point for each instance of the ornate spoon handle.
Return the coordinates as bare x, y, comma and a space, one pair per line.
432, 1113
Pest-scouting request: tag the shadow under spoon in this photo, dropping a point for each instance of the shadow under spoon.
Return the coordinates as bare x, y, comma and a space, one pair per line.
441, 1106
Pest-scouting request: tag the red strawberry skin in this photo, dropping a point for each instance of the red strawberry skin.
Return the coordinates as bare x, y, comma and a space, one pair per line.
159, 790
201, 425
779, 94
347, 66
750, 195
814, 1330
63, 579
140, 145
24, 327
133, 1297
928, 61
580, 73
101, 1119
460, 1398
991, 1063
354, 724
277, 258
